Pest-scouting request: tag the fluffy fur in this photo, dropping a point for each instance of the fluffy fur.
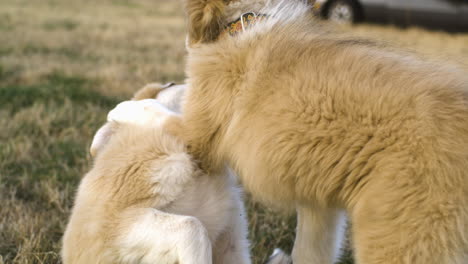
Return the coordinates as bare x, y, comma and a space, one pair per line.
146, 201
320, 122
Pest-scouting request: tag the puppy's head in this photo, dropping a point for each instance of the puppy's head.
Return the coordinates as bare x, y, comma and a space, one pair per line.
208, 19
168, 95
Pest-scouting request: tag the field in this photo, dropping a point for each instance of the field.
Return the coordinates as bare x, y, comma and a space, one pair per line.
64, 64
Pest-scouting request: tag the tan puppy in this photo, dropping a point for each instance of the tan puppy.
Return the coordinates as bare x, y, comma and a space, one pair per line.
321, 122
146, 201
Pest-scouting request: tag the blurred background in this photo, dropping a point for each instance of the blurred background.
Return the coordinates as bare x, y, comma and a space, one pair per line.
451, 15
65, 63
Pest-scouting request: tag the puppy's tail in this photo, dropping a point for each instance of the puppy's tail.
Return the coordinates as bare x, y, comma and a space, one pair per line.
204, 19
279, 257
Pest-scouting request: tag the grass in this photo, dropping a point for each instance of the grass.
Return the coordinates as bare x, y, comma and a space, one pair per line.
63, 65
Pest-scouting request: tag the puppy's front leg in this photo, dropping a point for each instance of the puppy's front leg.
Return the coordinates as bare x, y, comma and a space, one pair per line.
317, 235
151, 236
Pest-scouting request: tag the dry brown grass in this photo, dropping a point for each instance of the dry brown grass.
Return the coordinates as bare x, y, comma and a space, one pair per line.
437, 45
123, 43
63, 65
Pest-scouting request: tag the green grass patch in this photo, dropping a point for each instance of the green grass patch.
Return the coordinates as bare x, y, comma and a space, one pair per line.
6, 22
125, 3
268, 227
47, 128
70, 52
60, 24
5, 51
56, 88
44, 140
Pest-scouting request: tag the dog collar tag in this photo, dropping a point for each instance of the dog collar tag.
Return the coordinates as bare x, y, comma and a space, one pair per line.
243, 22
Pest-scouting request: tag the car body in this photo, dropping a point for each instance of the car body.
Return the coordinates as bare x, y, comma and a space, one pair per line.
446, 14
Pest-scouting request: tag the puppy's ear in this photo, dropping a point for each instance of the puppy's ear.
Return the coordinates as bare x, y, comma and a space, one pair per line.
204, 19
101, 138
177, 166
150, 91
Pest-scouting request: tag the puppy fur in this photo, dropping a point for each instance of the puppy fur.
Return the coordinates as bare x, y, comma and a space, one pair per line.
321, 122
146, 201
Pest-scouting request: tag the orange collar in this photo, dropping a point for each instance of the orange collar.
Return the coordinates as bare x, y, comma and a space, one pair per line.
243, 22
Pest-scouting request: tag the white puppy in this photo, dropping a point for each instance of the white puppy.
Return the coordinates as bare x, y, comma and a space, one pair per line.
171, 98
146, 201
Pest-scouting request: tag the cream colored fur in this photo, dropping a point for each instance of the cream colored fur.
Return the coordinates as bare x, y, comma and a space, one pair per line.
146, 201
171, 98
322, 122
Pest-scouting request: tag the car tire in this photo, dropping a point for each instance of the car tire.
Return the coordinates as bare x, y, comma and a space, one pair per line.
343, 12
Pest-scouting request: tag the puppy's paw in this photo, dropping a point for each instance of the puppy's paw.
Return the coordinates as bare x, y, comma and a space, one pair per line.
144, 112
279, 257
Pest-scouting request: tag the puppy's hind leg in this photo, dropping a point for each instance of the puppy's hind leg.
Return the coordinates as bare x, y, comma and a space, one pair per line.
317, 235
151, 236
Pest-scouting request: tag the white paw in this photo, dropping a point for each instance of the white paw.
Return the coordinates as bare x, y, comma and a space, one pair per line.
279, 257
142, 112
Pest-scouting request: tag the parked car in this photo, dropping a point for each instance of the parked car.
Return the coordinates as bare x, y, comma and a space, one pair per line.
449, 14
